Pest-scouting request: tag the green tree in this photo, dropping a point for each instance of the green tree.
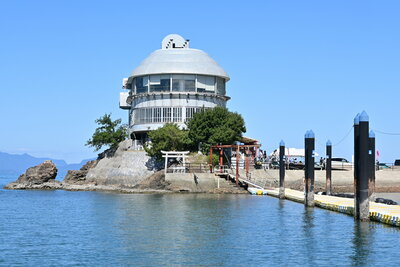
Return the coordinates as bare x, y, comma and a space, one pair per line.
109, 133
214, 126
167, 138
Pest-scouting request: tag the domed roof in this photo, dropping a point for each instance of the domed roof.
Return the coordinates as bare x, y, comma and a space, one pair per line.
176, 57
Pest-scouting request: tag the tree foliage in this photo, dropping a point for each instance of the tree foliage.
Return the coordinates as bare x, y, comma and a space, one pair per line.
214, 126
167, 138
109, 133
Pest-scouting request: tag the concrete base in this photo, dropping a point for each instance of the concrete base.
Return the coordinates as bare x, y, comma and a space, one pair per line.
200, 183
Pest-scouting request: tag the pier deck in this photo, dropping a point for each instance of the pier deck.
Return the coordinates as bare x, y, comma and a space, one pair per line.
388, 214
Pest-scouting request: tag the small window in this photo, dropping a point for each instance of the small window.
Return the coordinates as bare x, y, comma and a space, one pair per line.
183, 83
167, 115
141, 84
177, 114
205, 84
221, 86
159, 83
157, 115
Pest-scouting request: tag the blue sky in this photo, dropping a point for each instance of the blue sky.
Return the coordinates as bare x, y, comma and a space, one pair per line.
294, 66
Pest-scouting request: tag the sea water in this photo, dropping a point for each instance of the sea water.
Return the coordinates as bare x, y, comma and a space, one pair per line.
60, 228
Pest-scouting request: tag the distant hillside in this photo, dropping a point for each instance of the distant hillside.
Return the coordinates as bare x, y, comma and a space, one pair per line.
10, 163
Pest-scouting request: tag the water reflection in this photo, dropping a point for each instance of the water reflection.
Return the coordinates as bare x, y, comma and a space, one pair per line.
308, 231
361, 244
90, 228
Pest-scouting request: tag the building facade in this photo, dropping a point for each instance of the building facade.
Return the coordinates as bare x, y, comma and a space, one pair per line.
170, 85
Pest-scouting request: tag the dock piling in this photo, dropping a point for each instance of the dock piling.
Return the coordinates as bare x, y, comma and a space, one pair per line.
328, 168
309, 142
371, 160
355, 163
361, 206
281, 170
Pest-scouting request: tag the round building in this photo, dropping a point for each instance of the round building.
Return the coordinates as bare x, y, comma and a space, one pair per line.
170, 85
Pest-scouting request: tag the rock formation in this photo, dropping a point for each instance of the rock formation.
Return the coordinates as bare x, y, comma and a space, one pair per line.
79, 176
123, 168
41, 176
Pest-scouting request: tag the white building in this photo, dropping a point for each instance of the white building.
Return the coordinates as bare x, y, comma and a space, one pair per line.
170, 85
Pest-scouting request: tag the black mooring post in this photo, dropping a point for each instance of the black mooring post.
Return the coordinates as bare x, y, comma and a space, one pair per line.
281, 170
309, 142
355, 160
371, 160
362, 200
328, 167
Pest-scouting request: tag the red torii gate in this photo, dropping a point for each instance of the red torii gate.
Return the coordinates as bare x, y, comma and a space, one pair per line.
255, 147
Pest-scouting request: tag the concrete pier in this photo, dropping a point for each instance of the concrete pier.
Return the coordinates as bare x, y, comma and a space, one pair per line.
388, 214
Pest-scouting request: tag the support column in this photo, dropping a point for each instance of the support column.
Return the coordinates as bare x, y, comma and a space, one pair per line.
328, 168
281, 170
362, 199
309, 168
371, 159
166, 164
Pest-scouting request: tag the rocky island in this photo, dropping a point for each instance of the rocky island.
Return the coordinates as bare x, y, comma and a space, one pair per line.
121, 170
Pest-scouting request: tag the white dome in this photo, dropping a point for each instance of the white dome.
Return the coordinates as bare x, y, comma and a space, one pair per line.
179, 61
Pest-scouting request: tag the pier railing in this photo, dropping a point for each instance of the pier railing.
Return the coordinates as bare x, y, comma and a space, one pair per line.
189, 168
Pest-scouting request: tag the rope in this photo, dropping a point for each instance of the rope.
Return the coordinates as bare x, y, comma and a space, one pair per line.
377, 131
351, 128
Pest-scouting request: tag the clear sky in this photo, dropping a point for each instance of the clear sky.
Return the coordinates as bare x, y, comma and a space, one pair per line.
294, 66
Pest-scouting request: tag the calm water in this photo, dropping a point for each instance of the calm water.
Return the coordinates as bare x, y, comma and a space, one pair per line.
57, 228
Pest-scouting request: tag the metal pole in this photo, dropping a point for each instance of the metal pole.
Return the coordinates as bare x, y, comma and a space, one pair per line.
309, 168
328, 167
371, 156
221, 159
362, 200
281, 170
211, 160
355, 163
237, 165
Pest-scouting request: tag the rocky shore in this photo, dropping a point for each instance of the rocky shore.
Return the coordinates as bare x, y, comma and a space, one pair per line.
121, 170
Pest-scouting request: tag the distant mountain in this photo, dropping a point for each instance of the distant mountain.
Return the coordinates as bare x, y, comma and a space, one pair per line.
11, 163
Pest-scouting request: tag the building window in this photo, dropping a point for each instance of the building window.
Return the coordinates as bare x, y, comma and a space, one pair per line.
160, 83
167, 114
149, 115
177, 115
139, 116
205, 84
164, 114
141, 84
183, 83
191, 111
157, 115
221, 86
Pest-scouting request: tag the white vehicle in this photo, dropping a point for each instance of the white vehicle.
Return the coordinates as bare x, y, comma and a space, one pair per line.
341, 164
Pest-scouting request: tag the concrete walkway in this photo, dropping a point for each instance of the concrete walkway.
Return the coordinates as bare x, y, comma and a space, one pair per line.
388, 214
